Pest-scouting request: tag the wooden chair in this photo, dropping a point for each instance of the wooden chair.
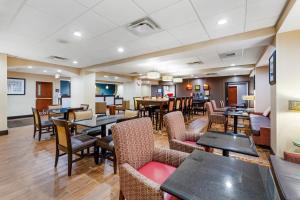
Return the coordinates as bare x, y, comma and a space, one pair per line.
41, 126
178, 104
101, 108
72, 145
170, 108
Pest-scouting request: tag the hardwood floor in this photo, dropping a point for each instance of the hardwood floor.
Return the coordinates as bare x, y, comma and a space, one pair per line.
27, 170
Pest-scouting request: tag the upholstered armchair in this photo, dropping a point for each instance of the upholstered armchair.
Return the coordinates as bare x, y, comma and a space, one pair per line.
181, 139
140, 162
215, 107
216, 117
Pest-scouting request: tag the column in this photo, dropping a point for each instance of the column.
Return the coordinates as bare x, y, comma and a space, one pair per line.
285, 124
83, 89
3, 94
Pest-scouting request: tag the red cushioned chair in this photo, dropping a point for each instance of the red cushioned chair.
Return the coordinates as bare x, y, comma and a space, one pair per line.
142, 167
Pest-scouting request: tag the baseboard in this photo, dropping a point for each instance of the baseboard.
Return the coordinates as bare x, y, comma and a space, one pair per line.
19, 117
5, 132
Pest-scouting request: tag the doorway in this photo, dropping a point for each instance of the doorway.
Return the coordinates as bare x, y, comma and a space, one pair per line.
234, 92
232, 95
44, 95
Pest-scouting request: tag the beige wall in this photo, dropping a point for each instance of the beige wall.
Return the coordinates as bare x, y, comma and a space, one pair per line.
3, 92
262, 89
287, 124
22, 104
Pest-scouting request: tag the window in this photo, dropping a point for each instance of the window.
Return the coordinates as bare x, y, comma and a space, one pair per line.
65, 88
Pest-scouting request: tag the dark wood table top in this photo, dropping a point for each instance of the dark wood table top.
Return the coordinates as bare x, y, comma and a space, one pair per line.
98, 121
230, 142
206, 176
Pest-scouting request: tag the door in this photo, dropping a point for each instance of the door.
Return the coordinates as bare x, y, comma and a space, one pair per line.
232, 95
44, 95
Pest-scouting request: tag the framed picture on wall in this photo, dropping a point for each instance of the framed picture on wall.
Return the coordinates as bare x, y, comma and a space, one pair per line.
16, 86
272, 69
197, 87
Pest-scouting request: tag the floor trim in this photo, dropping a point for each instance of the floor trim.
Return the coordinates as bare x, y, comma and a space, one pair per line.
5, 132
19, 117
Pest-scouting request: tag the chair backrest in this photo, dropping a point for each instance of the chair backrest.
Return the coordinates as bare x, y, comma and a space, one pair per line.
171, 104
85, 106
126, 105
134, 141
119, 101
100, 107
82, 115
135, 102
214, 105
209, 108
54, 106
36, 117
70, 114
178, 103
222, 105
191, 102
62, 132
175, 125
183, 103
131, 113
187, 102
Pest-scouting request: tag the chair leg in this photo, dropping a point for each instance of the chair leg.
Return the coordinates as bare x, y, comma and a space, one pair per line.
115, 162
96, 154
103, 154
69, 164
121, 196
40, 134
56, 157
34, 131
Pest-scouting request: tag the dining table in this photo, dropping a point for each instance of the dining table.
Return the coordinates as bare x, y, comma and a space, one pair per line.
63, 110
206, 176
99, 121
236, 113
229, 142
161, 103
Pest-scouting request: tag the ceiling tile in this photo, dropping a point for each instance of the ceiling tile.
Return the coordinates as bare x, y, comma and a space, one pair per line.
33, 23
8, 10
235, 24
189, 33
65, 10
162, 40
88, 3
120, 12
119, 36
175, 15
262, 23
154, 5
210, 8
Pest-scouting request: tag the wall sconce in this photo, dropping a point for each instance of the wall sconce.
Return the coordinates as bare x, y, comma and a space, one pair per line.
189, 86
294, 105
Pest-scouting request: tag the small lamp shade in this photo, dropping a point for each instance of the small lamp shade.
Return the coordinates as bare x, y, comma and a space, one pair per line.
248, 98
294, 105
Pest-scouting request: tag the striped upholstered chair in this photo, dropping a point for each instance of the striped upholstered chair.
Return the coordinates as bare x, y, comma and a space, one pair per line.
216, 108
139, 161
181, 139
215, 117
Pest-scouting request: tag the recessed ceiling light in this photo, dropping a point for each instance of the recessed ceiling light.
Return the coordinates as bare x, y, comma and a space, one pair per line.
116, 77
120, 49
75, 62
29, 67
59, 70
45, 71
105, 76
222, 21
77, 34
232, 65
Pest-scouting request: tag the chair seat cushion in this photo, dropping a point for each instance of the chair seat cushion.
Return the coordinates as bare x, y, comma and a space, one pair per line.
92, 131
81, 141
46, 123
156, 171
190, 142
106, 142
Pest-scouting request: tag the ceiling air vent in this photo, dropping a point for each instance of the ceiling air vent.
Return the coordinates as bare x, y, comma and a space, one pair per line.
57, 58
143, 27
231, 54
195, 63
211, 74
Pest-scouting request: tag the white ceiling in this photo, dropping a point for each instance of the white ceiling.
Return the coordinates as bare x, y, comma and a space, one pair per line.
32, 28
292, 21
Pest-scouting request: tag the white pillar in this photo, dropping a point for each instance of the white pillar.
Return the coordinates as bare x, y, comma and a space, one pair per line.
132, 89
83, 90
3, 94
285, 124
